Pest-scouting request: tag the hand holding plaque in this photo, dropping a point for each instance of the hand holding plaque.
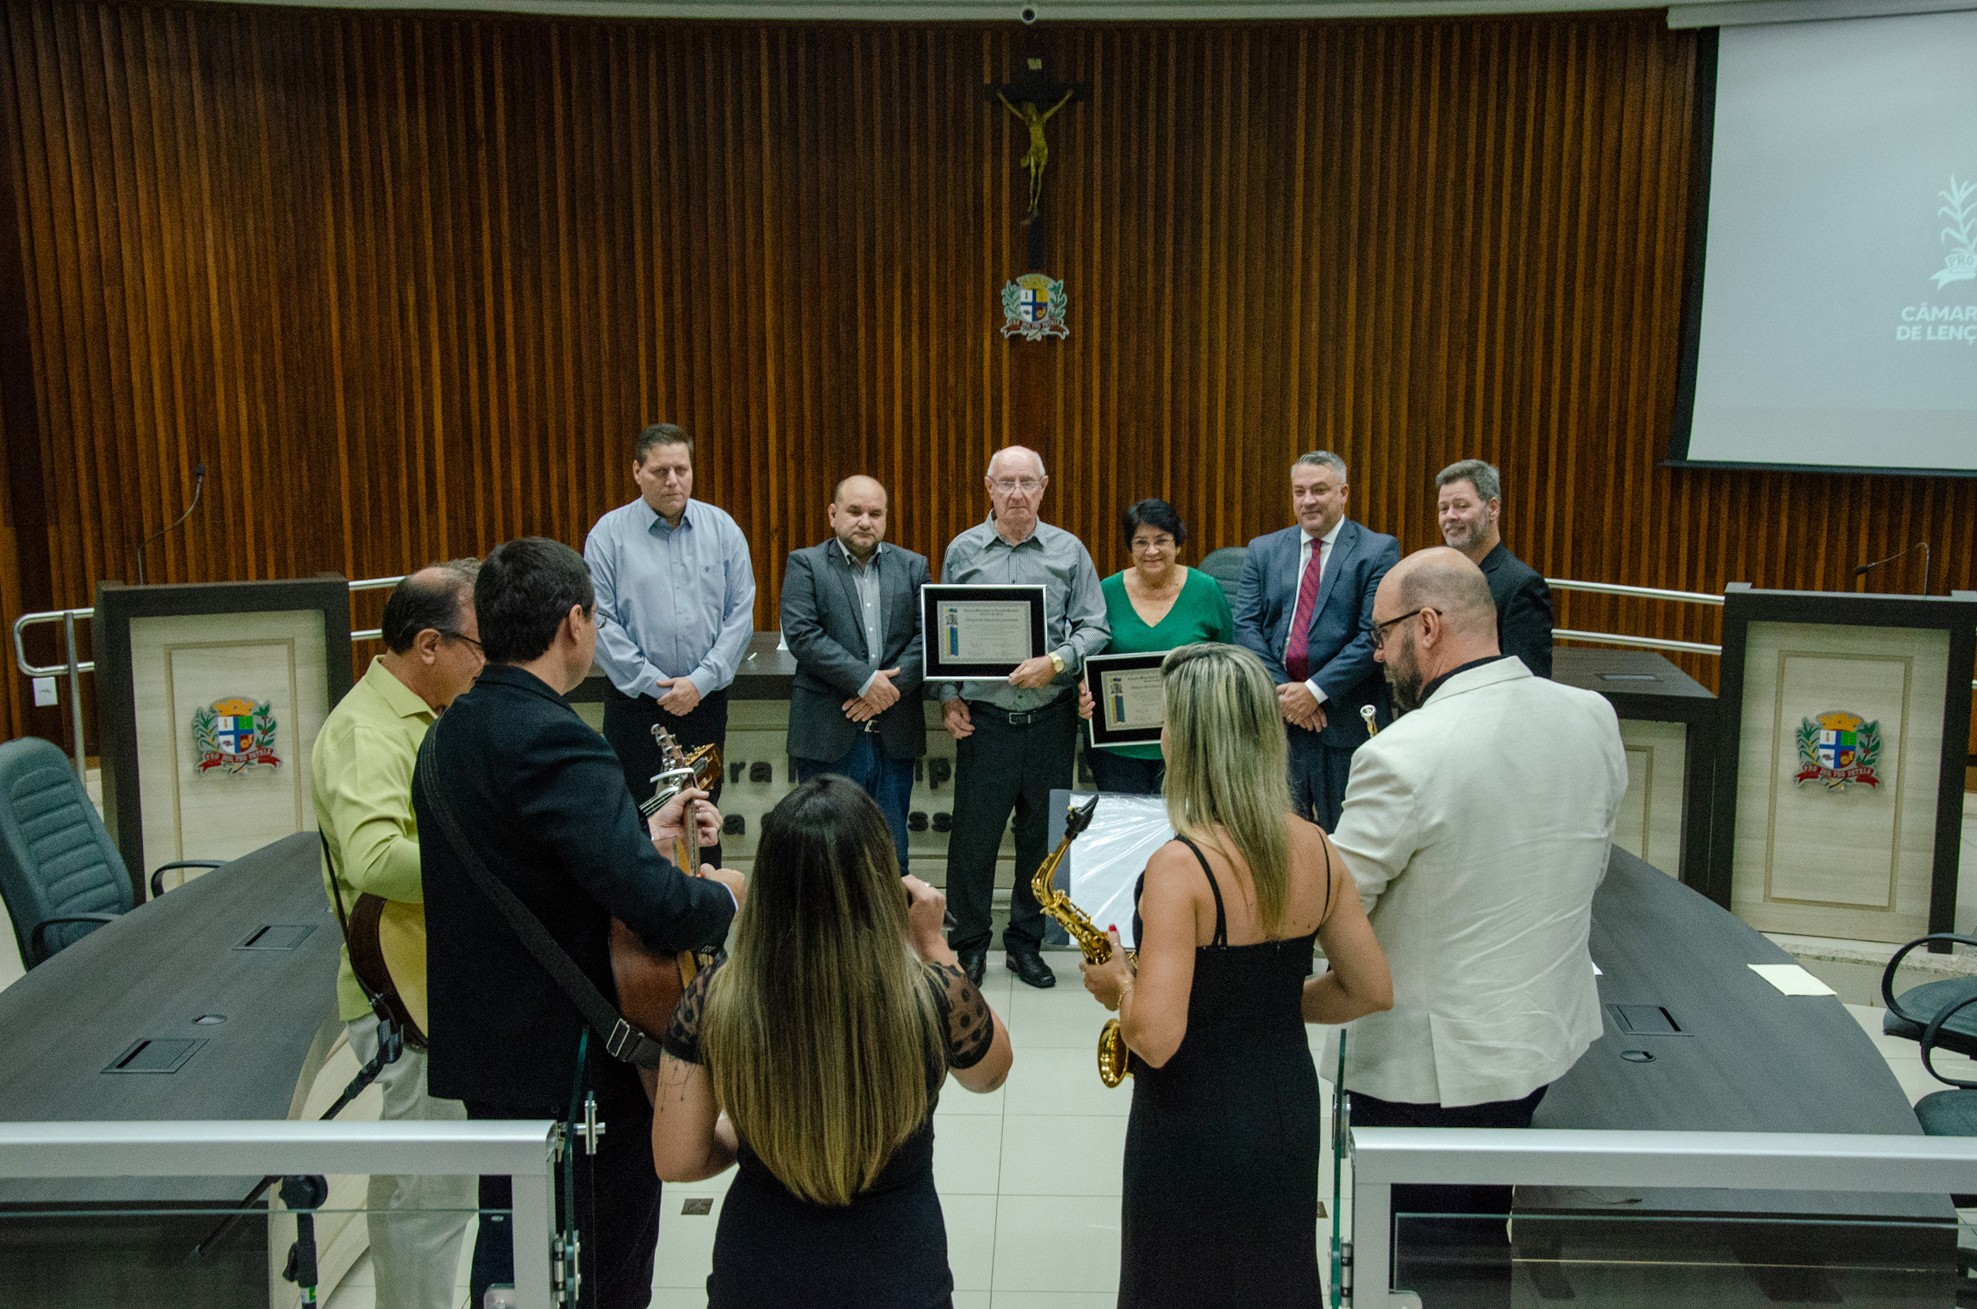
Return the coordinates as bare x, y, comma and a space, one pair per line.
1129, 698
980, 633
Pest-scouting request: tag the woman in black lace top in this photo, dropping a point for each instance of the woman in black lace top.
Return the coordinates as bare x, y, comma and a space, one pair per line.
813, 1058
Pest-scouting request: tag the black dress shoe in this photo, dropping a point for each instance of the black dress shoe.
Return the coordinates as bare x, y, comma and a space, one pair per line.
1029, 967
974, 963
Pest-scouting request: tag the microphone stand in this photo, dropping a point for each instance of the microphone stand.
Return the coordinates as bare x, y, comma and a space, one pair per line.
198, 485
1923, 546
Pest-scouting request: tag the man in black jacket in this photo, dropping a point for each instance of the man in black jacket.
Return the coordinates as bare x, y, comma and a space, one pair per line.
1468, 502
851, 619
542, 799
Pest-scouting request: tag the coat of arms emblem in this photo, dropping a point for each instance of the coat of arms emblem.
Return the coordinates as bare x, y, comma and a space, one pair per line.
1033, 307
1839, 749
234, 735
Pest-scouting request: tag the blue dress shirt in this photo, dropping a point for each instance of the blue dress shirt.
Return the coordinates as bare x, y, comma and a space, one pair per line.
671, 601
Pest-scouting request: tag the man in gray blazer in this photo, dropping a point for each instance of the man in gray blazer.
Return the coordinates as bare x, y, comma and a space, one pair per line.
851, 619
1305, 606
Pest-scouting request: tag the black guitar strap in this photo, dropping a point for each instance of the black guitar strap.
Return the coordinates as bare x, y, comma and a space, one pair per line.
622, 1040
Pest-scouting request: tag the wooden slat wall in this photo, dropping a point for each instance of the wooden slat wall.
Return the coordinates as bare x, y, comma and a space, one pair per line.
408, 285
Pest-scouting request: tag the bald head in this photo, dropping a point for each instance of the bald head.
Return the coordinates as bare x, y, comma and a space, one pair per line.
858, 514
1444, 580
1016, 482
1431, 615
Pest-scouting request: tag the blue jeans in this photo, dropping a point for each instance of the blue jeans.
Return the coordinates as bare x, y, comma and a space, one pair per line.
888, 781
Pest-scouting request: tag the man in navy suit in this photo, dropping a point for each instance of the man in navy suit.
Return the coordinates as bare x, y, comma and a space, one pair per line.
1305, 605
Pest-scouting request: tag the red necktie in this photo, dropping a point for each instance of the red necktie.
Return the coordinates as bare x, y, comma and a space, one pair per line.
1297, 655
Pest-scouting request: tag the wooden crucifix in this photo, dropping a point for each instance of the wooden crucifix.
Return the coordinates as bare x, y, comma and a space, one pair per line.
1034, 99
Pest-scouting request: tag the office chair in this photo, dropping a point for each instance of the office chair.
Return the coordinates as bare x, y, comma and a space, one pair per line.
1225, 566
1910, 1014
60, 872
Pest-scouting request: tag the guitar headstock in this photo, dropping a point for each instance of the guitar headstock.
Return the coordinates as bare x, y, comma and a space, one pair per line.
699, 768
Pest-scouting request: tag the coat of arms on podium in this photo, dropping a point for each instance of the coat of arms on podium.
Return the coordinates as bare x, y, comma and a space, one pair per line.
1033, 307
1838, 749
234, 735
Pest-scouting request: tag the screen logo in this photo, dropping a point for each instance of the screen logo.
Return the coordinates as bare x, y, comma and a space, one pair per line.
1960, 208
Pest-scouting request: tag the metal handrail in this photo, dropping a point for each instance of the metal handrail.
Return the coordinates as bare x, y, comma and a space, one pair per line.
1638, 592
1758, 1161
523, 1151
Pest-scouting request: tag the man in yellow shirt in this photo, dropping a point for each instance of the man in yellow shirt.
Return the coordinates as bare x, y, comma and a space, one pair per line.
362, 778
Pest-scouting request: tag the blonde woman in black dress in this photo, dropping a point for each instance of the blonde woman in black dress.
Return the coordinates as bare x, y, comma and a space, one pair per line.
813, 1057
1220, 1204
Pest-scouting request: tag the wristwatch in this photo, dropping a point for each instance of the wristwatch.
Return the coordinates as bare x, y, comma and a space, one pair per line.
1057, 663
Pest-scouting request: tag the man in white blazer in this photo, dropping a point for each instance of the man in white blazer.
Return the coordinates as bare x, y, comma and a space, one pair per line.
1477, 827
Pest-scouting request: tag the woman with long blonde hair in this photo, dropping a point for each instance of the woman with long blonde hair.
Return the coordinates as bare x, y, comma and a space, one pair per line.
1220, 1203
813, 1057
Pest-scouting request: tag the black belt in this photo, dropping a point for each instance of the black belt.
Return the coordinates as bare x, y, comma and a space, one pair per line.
1018, 717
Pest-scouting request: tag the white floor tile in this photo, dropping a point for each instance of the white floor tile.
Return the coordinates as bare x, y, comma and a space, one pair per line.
956, 1099
971, 1227
1065, 1018
1057, 1243
679, 1297
967, 1154
1052, 1300
686, 1241
1062, 1081
973, 1300
1045, 1154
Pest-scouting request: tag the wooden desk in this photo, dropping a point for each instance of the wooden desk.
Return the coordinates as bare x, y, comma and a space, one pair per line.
231, 978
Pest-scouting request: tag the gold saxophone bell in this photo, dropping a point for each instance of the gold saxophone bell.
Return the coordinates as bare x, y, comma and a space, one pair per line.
1096, 946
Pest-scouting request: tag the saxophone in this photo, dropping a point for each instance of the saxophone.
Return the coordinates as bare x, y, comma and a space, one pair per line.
1095, 945
1372, 728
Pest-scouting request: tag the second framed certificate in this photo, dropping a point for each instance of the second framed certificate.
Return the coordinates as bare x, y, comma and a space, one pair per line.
1130, 699
980, 633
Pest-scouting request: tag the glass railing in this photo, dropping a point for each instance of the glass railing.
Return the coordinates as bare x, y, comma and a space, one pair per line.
1653, 1218
224, 1214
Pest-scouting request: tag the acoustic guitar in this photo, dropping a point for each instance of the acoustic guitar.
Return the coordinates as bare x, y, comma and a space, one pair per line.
388, 937
651, 982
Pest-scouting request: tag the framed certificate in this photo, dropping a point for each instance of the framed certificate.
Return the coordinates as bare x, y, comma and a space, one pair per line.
979, 633
1129, 697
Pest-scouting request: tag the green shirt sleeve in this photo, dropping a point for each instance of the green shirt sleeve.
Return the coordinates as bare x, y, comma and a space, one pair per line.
366, 807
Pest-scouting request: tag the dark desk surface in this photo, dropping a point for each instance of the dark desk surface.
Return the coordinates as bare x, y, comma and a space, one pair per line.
153, 974
1639, 683
1749, 1059
765, 673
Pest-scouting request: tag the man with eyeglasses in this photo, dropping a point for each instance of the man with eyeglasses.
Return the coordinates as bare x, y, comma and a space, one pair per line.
1303, 605
361, 777
1015, 739
1477, 828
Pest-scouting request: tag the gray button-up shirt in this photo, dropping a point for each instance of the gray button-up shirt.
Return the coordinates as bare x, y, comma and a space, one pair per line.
865, 576
671, 601
1073, 604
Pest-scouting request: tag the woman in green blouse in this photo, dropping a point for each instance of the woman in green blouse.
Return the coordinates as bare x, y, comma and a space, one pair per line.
1157, 604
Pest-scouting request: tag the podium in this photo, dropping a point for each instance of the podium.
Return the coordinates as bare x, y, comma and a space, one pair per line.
209, 698
1840, 761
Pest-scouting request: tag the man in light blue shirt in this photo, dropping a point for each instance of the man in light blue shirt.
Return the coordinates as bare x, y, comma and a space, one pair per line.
675, 611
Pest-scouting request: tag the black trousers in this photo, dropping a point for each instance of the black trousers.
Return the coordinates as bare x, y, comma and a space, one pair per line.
616, 1196
1006, 766
1455, 1252
628, 725
1318, 777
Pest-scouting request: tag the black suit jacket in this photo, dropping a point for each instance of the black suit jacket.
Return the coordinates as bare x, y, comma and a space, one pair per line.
543, 800
1523, 608
824, 627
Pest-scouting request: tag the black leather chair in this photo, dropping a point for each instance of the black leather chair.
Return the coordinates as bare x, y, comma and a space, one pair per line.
60, 873
1225, 566
1910, 1014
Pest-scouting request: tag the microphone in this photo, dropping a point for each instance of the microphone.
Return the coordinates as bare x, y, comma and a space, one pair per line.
1923, 546
198, 485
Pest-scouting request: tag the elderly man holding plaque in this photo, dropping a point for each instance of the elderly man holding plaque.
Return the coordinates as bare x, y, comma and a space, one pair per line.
1017, 732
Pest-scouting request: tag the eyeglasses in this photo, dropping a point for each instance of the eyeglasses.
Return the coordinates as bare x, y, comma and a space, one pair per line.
1157, 543
1030, 485
462, 636
1380, 629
